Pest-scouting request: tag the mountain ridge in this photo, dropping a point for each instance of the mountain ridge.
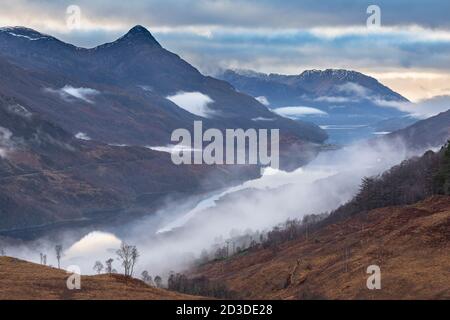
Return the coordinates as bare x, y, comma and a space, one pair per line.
133, 76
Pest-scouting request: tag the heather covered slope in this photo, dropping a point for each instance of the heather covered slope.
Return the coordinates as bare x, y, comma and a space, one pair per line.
21, 280
410, 244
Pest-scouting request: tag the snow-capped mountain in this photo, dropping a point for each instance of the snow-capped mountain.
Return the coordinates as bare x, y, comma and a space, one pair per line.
348, 104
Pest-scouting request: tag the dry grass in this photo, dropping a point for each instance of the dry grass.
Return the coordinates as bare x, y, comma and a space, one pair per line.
21, 280
411, 245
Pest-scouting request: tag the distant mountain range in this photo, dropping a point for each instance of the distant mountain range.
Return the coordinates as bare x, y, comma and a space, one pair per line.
332, 96
130, 91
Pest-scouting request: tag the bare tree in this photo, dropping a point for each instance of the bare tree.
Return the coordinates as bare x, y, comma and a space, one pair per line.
158, 281
58, 250
2, 252
109, 268
128, 255
147, 278
134, 257
43, 258
98, 267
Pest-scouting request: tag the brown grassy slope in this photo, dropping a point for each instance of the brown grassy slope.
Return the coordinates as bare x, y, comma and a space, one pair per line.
411, 244
21, 280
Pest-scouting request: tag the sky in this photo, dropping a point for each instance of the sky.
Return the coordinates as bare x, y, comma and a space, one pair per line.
409, 51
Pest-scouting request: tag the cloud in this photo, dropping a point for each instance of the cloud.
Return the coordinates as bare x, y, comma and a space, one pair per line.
193, 102
69, 93
263, 119
353, 89
299, 111
334, 99
6, 144
263, 100
195, 13
82, 136
424, 108
92, 245
173, 148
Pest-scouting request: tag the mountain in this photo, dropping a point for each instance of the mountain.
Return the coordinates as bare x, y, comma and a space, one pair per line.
123, 92
21, 280
332, 97
50, 179
428, 133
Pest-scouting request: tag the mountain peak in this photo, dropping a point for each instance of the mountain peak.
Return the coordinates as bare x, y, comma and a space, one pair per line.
333, 73
137, 29
24, 33
139, 33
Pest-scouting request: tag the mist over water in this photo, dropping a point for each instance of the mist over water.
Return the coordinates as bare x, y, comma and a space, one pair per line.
171, 238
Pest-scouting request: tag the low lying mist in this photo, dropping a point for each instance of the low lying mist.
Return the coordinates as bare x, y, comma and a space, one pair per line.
174, 236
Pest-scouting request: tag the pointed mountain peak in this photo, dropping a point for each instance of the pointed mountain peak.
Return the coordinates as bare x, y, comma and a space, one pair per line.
139, 34
138, 29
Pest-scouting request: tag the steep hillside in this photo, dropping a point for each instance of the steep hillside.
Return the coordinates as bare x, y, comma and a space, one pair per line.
427, 133
50, 178
410, 244
20, 280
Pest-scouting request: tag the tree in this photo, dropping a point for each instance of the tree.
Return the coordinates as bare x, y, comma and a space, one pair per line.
146, 278
134, 257
128, 255
204, 257
98, 267
109, 268
58, 250
158, 281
